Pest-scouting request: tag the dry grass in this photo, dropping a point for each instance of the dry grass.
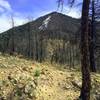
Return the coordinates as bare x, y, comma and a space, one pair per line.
18, 82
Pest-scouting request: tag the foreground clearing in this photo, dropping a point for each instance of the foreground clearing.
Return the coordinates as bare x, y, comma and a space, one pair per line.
22, 79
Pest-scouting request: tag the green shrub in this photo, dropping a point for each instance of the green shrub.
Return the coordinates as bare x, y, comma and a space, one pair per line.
37, 73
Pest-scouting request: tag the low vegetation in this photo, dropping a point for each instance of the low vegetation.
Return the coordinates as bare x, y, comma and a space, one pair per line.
22, 79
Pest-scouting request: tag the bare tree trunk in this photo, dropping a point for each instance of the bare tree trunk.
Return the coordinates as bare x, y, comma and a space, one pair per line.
70, 57
13, 42
12, 36
41, 47
64, 51
73, 55
91, 49
86, 80
29, 39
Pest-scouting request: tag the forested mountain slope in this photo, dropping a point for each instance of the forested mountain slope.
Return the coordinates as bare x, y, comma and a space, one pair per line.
54, 37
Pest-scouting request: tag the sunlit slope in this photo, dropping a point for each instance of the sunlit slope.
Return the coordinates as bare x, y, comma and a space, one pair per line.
23, 79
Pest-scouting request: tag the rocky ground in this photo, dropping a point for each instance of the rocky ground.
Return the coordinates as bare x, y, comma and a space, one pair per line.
23, 79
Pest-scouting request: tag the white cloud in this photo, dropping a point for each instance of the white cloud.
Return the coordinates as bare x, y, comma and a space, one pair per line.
5, 22
73, 12
4, 25
5, 8
5, 19
4, 4
1, 10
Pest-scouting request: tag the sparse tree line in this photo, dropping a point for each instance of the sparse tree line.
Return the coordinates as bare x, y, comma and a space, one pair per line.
44, 45
65, 52
38, 47
65, 48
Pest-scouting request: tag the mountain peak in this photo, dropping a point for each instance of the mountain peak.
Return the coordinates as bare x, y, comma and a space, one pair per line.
56, 13
55, 21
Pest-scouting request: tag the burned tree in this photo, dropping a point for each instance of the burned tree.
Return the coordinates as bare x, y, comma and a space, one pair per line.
86, 80
12, 37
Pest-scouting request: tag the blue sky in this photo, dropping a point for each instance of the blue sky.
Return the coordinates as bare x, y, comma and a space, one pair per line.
22, 9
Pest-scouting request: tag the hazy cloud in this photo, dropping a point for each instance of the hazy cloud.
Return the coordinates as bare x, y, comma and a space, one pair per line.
5, 5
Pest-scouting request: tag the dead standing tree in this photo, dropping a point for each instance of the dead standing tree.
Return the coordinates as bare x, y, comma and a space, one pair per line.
86, 80
29, 35
92, 32
12, 48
